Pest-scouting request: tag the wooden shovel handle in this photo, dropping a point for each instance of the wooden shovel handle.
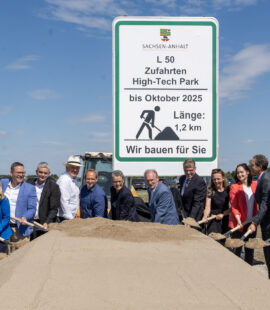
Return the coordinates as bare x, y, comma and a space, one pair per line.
3, 240
246, 234
206, 220
237, 227
39, 225
25, 222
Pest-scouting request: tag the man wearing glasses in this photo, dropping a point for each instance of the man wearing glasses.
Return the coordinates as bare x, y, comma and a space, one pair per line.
23, 199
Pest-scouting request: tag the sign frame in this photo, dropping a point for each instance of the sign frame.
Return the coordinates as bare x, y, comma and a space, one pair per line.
163, 22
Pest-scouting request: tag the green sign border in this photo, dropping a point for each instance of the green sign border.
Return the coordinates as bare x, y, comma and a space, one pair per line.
214, 86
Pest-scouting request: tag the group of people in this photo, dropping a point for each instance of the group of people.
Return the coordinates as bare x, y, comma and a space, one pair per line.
41, 200
245, 204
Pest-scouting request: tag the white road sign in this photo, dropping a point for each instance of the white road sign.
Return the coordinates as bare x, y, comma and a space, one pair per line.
165, 94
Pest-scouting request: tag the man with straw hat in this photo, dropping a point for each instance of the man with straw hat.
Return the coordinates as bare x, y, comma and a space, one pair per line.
69, 189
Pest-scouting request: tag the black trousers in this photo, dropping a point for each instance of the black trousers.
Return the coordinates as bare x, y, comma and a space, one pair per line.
249, 253
36, 233
266, 250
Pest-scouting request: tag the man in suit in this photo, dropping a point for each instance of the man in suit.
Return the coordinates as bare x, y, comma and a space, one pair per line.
192, 190
122, 201
22, 198
259, 165
161, 202
48, 197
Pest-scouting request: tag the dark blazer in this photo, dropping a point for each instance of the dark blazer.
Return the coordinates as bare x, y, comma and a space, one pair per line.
262, 196
49, 201
123, 205
194, 196
162, 206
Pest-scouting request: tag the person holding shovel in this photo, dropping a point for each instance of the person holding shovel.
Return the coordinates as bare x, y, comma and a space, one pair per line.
244, 206
259, 165
23, 199
122, 201
5, 230
217, 202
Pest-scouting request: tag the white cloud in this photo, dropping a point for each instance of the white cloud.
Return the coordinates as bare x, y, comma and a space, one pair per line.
90, 15
86, 13
55, 143
101, 137
91, 118
22, 63
100, 134
243, 69
3, 133
5, 110
232, 4
249, 141
43, 94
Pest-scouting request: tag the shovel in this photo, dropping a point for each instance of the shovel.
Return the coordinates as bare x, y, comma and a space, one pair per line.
35, 224
4, 241
206, 220
246, 235
218, 237
196, 224
228, 233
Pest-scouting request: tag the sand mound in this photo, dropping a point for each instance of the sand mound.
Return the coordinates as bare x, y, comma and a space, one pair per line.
256, 243
110, 265
216, 236
190, 221
2, 255
123, 230
234, 243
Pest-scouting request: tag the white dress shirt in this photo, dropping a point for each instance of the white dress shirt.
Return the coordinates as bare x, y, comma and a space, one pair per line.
12, 195
250, 201
69, 196
39, 189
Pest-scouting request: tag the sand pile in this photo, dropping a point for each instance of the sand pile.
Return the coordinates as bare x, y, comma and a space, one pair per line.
216, 236
190, 221
234, 243
123, 230
256, 243
3, 255
101, 264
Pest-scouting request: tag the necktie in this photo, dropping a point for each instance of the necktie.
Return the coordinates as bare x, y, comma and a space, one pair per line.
187, 182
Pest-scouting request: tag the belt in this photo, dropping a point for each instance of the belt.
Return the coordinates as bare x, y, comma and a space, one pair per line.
13, 225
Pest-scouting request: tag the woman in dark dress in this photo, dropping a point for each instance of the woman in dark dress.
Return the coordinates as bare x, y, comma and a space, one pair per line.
217, 203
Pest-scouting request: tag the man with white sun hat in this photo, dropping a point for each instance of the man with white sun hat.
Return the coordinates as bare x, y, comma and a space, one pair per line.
69, 189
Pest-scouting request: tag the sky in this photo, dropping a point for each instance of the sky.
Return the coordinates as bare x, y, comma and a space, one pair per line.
56, 76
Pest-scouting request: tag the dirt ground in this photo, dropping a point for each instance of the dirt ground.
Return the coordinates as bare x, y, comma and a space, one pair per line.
103, 264
258, 253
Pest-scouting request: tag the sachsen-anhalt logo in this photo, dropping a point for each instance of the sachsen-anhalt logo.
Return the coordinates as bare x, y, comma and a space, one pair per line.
165, 33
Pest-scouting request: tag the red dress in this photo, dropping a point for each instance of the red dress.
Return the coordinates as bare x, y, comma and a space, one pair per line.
239, 204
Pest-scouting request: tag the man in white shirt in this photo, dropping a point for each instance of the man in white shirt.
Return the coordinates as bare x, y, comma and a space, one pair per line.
23, 199
69, 189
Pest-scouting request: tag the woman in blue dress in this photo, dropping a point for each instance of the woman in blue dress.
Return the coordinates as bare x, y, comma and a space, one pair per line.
5, 230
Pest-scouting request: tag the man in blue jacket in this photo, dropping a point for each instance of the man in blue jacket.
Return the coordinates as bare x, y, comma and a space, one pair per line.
161, 202
93, 198
23, 199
